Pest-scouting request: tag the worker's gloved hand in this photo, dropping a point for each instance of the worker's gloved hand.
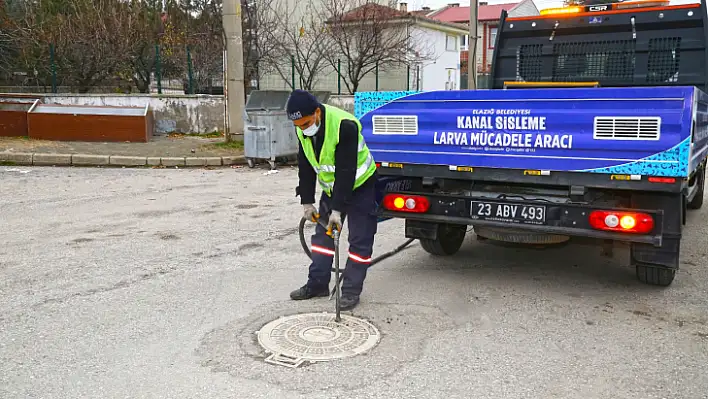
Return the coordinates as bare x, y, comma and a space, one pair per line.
310, 212
335, 220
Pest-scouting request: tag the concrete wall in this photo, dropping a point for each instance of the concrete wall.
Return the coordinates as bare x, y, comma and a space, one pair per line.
172, 113
184, 114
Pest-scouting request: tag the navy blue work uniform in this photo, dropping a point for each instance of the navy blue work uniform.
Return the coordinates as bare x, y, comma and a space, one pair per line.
356, 206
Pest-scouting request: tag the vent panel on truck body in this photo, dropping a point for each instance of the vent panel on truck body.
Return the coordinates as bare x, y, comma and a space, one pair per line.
654, 46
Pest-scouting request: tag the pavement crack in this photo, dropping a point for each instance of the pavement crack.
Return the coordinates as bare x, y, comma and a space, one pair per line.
82, 239
167, 237
158, 213
284, 233
99, 290
220, 254
250, 245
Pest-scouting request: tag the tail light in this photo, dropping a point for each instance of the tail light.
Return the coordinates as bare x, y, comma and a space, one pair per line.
667, 180
406, 203
623, 222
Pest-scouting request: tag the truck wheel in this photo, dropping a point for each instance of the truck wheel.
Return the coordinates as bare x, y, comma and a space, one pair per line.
448, 242
661, 276
697, 201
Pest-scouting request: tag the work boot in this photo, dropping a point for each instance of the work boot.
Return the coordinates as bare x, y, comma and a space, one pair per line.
307, 292
348, 301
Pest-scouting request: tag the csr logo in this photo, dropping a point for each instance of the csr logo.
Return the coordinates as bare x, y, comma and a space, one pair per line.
598, 8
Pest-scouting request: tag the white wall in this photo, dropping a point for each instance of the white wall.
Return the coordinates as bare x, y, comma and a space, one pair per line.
435, 71
524, 9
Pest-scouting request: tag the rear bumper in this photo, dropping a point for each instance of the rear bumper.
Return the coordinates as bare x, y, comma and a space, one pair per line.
560, 218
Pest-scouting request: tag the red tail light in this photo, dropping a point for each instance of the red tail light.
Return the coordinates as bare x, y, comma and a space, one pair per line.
406, 203
668, 180
623, 222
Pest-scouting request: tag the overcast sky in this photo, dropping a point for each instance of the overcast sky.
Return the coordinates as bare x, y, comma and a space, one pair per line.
541, 4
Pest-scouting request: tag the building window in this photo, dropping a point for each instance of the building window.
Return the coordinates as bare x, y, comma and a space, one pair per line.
492, 37
451, 43
463, 41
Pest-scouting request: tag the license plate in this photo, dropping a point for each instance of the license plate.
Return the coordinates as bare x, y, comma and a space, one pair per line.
508, 213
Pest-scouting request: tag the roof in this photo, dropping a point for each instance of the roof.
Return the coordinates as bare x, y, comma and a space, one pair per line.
462, 14
371, 11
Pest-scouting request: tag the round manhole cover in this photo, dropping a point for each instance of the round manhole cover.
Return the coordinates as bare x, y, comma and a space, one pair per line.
316, 337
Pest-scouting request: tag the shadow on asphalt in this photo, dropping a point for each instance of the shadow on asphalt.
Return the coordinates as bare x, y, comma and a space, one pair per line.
575, 263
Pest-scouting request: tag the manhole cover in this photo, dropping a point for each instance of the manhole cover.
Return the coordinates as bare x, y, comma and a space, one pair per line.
316, 337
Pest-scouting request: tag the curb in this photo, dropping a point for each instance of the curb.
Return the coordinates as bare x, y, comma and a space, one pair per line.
45, 159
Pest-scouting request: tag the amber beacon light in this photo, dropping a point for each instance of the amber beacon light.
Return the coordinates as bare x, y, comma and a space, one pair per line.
604, 7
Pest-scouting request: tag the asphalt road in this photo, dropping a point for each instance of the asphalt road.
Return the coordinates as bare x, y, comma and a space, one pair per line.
126, 283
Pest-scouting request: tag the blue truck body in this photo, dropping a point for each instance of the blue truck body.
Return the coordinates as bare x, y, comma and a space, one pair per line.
643, 131
569, 162
595, 126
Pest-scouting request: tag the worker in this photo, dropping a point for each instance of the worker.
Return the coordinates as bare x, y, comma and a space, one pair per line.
332, 152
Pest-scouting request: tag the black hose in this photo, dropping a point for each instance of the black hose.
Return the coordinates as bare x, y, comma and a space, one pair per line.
306, 248
301, 230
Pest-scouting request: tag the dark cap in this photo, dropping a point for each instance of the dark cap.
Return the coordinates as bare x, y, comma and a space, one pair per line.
301, 103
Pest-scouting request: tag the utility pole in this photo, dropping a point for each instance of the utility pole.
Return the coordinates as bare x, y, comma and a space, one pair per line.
234, 92
472, 46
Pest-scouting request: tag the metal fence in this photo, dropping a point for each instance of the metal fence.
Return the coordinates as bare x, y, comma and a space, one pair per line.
195, 70
483, 81
189, 70
335, 77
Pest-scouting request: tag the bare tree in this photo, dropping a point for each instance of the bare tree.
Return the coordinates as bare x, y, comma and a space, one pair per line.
201, 24
259, 22
366, 34
97, 41
301, 43
32, 36
89, 50
142, 29
195, 35
10, 36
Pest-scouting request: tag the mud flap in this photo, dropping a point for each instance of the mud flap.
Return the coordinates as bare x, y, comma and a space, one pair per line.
666, 255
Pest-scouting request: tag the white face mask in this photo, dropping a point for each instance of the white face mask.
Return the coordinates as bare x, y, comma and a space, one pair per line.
311, 131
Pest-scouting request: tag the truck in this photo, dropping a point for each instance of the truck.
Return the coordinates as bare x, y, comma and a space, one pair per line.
595, 125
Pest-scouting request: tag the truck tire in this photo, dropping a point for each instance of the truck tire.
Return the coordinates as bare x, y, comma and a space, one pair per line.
653, 275
449, 240
697, 201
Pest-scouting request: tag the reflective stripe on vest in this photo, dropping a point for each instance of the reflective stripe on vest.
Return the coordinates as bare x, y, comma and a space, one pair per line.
324, 167
360, 171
